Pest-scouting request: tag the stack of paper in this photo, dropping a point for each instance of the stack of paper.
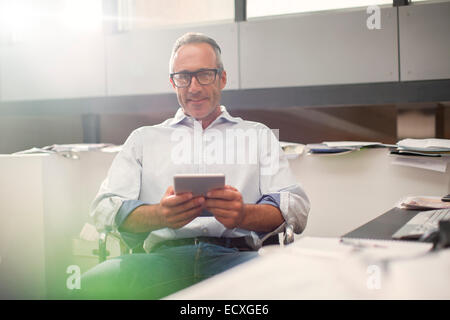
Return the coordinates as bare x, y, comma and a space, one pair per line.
438, 145
77, 147
422, 203
292, 150
64, 148
339, 147
356, 144
321, 148
431, 154
424, 147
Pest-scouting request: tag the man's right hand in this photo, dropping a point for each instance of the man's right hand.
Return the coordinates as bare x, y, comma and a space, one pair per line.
175, 211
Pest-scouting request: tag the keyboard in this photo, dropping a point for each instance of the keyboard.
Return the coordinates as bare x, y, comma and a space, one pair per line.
422, 223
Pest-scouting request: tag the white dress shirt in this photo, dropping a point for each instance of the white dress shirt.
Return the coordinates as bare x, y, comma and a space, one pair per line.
246, 152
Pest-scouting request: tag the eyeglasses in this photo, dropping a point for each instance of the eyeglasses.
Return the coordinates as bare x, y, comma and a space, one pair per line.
203, 76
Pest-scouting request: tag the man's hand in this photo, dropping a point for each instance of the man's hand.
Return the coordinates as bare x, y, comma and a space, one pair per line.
175, 211
226, 205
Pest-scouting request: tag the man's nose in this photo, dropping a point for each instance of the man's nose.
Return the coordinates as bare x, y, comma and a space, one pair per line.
195, 85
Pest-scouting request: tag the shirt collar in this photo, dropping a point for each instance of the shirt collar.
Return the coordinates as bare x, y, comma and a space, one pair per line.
180, 116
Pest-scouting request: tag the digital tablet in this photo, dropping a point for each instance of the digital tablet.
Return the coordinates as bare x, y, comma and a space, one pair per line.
198, 184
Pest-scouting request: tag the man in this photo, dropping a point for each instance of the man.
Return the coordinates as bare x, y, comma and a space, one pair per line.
137, 198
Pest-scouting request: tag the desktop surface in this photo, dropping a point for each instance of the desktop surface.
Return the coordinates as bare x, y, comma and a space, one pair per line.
384, 226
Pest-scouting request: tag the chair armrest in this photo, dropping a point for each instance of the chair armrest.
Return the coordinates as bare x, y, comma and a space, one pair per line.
286, 231
288, 235
102, 252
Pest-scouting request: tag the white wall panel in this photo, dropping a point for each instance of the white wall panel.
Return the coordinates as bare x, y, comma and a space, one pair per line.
425, 41
53, 68
321, 48
138, 61
318, 49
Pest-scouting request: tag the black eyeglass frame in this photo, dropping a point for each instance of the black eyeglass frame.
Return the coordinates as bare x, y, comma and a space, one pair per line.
194, 74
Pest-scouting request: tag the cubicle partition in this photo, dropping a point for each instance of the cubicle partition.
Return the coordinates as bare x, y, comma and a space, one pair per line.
348, 190
44, 203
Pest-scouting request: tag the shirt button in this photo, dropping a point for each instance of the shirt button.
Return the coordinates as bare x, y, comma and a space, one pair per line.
205, 231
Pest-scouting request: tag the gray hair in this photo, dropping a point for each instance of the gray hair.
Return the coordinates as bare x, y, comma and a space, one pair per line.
192, 37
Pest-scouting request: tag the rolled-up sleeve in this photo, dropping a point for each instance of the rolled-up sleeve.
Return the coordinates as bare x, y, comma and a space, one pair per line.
294, 205
123, 183
132, 240
278, 181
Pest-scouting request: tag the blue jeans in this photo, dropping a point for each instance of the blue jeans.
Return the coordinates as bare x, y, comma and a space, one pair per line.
159, 273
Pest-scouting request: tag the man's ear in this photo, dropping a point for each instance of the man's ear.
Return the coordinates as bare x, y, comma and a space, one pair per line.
223, 79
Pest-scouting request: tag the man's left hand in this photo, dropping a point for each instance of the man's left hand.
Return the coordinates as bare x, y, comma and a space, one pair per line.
227, 206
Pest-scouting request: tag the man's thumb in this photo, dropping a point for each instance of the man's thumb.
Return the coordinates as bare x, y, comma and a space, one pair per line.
169, 192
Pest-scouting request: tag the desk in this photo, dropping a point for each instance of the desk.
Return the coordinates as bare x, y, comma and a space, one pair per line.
404, 270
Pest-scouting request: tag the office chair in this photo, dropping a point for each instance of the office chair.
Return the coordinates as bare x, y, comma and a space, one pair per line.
287, 232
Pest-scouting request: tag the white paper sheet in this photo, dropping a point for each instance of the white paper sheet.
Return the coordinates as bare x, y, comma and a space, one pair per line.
356, 144
425, 144
434, 164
